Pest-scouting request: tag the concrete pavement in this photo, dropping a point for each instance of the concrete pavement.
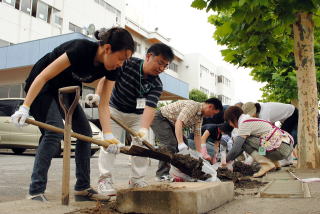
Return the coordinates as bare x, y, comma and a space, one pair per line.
16, 171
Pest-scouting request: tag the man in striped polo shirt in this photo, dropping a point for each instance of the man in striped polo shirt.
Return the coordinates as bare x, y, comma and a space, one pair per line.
133, 101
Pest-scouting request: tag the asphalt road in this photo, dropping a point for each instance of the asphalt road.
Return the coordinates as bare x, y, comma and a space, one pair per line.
15, 173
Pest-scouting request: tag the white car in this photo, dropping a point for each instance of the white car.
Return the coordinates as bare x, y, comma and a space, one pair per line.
20, 139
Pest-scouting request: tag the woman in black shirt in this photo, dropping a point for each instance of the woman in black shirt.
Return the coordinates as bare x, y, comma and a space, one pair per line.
72, 63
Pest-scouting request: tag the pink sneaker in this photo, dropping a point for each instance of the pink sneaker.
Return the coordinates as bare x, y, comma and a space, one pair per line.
205, 154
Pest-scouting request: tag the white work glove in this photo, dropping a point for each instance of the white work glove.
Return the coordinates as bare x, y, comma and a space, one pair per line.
113, 148
92, 100
142, 135
182, 146
20, 116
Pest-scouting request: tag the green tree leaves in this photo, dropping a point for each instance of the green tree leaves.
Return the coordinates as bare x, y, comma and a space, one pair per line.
197, 95
258, 35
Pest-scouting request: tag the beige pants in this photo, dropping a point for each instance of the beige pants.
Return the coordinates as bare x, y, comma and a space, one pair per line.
106, 160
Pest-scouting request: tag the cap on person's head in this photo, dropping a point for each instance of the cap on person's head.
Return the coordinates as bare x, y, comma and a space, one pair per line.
249, 108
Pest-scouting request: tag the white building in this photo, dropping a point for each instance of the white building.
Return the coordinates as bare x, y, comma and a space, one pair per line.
22, 21
204, 75
25, 20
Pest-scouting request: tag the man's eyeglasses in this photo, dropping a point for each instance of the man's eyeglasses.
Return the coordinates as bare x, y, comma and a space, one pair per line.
163, 65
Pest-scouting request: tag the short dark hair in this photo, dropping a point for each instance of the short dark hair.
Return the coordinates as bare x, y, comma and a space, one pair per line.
232, 114
119, 38
216, 102
161, 49
258, 107
226, 128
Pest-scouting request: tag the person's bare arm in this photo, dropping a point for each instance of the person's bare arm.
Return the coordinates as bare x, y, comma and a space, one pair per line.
147, 117
205, 136
197, 142
52, 70
178, 126
100, 86
106, 87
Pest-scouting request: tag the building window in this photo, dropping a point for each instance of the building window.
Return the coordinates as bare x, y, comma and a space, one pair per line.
204, 69
173, 66
204, 90
42, 11
10, 2
56, 18
25, 6
75, 28
224, 99
137, 47
110, 8
224, 80
212, 95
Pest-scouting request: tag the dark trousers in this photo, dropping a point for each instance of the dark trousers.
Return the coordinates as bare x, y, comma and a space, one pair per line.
46, 109
164, 131
290, 125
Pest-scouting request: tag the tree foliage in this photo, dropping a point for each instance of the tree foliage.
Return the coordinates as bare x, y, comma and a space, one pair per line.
197, 95
258, 35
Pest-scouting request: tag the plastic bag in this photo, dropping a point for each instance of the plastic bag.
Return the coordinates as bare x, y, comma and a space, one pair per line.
179, 176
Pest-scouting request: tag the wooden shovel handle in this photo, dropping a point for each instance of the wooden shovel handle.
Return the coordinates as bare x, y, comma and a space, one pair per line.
131, 132
73, 134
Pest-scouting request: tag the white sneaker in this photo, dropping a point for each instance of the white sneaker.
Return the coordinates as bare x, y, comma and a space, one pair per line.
105, 187
137, 184
39, 197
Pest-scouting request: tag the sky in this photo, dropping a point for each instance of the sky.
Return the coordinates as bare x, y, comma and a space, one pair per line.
190, 32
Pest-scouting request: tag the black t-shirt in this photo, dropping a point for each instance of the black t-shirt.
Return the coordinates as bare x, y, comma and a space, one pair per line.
81, 53
213, 130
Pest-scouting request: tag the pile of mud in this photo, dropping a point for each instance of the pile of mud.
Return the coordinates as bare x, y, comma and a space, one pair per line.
240, 174
190, 166
239, 170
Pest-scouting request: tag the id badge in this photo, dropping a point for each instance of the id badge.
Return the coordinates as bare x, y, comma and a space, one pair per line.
262, 151
141, 103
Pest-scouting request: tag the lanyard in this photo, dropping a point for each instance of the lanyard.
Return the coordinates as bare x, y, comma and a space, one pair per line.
141, 91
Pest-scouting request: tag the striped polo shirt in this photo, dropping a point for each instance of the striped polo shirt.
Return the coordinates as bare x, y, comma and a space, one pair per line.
131, 84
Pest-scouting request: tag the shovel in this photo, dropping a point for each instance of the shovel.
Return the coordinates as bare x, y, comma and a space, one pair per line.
67, 138
185, 163
132, 150
152, 152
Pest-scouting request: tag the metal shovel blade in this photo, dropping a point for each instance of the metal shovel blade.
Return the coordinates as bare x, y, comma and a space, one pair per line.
144, 152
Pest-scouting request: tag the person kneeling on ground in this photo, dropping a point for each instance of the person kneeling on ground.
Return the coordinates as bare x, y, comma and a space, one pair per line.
256, 135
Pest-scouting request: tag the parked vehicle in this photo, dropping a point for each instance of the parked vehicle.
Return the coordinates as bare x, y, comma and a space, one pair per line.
20, 139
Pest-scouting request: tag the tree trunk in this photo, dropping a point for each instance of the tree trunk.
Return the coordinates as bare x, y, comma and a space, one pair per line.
309, 156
